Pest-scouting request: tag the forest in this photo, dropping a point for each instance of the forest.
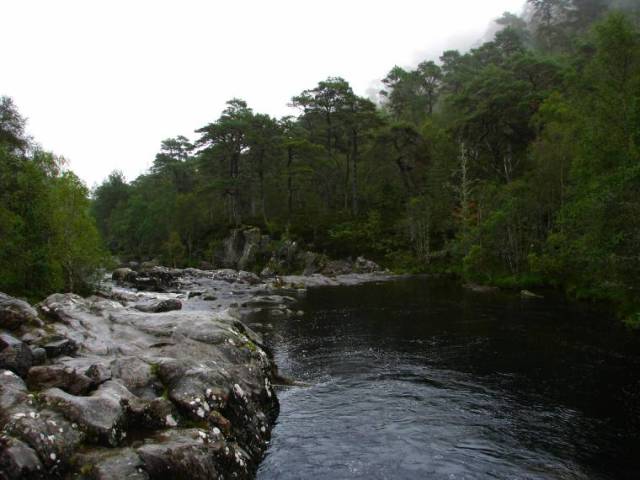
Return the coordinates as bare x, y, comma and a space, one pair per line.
515, 164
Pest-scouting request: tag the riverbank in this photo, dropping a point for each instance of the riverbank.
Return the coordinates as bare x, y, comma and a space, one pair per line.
158, 376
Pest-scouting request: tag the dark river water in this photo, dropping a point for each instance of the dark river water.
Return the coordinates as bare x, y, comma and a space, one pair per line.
421, 379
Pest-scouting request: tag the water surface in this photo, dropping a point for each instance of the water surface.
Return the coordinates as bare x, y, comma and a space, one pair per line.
421, 379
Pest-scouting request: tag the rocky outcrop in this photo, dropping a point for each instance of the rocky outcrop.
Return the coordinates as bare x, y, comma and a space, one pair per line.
139, 384
15, 355
125, 393
243, 248
17, 314
150, 278
247, 249
160, 306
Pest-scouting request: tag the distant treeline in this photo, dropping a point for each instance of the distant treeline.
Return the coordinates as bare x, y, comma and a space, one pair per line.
514, 164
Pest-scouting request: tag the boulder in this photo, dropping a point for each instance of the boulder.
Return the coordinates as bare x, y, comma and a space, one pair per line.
15, 355
149, 264
160, 306
362, 265
13, 393
18, 460
39, 355
243, 249
66, 378
51, 436
100, 415
155, 414
248, 277
123, 275
58, 345
15, 314
137, 376
337, 267
98, 372
192, 454
111, 464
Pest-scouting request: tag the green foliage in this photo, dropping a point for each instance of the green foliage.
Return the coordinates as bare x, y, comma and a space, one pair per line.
515, 163
173, 250
48, 238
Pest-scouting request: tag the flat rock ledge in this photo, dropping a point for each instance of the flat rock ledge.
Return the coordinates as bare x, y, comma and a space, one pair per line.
135, 383
123, 393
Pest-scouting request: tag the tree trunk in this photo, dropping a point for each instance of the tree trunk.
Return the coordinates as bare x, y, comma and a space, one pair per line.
354, 176
261, 179
289, 184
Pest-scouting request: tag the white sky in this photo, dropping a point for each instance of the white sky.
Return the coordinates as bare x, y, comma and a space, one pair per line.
103, 82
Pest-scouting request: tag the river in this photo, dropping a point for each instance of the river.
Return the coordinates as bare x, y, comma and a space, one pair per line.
419, 379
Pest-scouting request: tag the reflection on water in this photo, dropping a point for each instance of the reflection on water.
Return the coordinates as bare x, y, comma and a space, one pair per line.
420, 379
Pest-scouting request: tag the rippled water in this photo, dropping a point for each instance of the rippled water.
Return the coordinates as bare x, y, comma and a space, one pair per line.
420, 379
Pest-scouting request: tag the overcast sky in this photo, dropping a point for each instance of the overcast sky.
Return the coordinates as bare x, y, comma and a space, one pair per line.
103, 82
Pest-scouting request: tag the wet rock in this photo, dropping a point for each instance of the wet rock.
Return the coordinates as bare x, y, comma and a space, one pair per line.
156, 279
18, 460
270, 301
48, 434
13, 393
66, 378
15, 355
337, 267
99, 373
149, 284
362, 265
149, 264
160, 306
195, 454
122, 296
123, 275
137, 376
115, 371
57, 346
39, 355
155, 414
226, 274
100, 415
15, 314
63, 307
248, 277
194, 388
111, 464
95, 368
150, 277
302, 282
